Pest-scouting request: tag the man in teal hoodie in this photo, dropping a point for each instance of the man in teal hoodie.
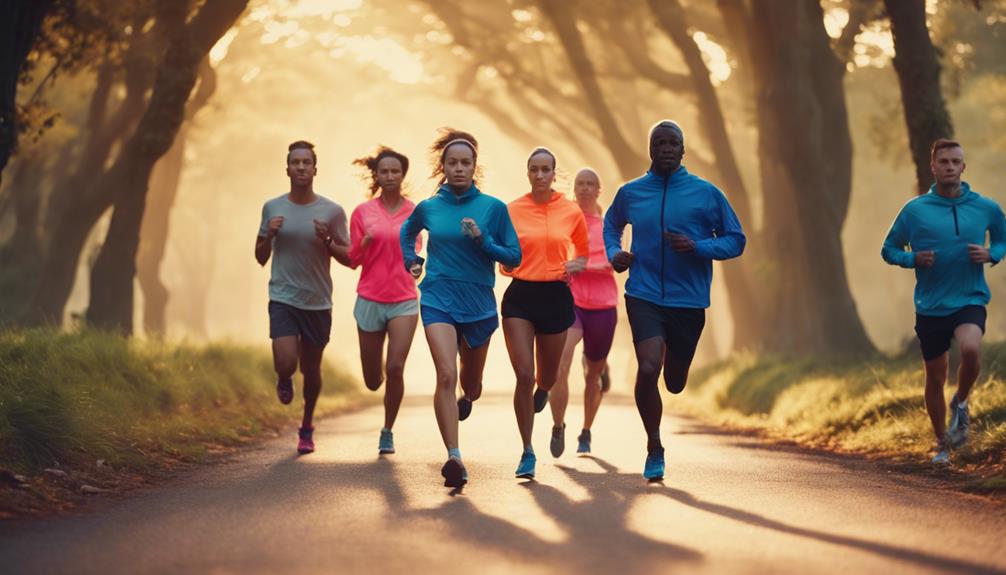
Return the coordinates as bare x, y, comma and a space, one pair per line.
680, 224
942, 235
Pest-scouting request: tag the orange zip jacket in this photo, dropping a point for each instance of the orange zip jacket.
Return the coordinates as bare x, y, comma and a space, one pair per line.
550, 234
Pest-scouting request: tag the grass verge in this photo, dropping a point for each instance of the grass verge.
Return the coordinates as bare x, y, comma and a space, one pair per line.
872, 407
71, 400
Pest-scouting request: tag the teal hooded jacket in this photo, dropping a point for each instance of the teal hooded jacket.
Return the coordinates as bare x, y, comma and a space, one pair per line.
946, 226
460, 273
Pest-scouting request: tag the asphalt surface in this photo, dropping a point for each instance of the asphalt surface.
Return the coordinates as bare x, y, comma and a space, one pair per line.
729, 504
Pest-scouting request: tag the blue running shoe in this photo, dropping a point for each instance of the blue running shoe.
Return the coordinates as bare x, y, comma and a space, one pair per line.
464, 408
960, 421
387, 443
942, 457
525, 469
454, 472
654, 468
540, 400
583, 442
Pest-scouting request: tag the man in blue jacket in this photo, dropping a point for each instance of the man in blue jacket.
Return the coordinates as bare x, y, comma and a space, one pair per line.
680, 224
942, 235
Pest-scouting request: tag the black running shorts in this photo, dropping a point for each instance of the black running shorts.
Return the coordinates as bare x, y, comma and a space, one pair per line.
680, 327
547, 305
935, 333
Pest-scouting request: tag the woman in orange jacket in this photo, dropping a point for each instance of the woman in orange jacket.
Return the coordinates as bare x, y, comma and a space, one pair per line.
538, 305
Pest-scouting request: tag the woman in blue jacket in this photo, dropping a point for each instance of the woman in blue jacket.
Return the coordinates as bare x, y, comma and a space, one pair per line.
468, 232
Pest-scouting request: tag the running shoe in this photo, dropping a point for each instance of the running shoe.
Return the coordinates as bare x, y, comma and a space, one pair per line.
284, 390
540, 399
454, 472
654, 468
960, 421
558, 444
464, 408
525, 469
583, 442
605, 380
387, 443
305, 443
942, 456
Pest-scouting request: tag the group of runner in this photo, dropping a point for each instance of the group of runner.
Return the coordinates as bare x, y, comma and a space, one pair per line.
561, 256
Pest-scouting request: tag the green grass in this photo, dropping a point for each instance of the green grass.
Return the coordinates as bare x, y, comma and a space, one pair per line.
873, 406
83, 396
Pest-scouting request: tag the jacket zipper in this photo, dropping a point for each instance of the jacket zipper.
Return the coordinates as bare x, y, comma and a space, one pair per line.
957, 230
663, 248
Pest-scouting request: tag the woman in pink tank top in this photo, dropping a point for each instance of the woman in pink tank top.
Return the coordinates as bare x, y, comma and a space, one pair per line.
595, 296
386, 305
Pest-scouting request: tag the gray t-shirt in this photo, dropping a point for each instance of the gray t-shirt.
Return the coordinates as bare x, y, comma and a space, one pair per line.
300, 260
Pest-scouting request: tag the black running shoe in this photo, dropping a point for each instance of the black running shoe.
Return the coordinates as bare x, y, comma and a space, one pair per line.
464, 408
558, 443
284, 390
454, 472
540, 400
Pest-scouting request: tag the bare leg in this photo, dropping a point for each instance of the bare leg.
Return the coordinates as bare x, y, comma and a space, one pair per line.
372, 357
969, 338
519, 335
473, 362
285, 351
675, 372
401, 330
649, 356
592, 391
443, 341
936, 404
558, 397
310, 368
548, 356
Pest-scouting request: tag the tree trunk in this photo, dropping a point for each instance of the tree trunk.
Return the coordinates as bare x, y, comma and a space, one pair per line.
629, 163
20, 22
806, 162
918, 67
78, 201
26, 199
111, 296
157, 217
744, 308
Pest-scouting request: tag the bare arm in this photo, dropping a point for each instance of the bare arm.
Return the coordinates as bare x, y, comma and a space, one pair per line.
263, 244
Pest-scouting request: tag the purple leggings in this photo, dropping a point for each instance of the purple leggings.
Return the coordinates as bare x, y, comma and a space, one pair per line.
598, 326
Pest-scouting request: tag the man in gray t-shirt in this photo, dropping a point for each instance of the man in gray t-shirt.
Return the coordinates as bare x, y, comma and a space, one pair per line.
302, 228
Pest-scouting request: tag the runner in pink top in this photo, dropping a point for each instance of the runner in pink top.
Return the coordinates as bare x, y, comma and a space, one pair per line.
386, 303
595, 296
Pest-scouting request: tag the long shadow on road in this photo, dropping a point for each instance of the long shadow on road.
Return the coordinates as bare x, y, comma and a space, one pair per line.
630, 486
598, 535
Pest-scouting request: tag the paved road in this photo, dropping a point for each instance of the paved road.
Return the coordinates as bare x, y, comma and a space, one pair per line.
729, 504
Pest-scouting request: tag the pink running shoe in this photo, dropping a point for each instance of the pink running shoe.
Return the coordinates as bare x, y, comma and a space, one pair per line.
305, 444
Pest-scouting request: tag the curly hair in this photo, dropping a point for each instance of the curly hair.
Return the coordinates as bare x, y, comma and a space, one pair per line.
438, 150
371, 162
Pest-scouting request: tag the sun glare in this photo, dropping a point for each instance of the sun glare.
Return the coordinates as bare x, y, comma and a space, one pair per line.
403, 66
715, 58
